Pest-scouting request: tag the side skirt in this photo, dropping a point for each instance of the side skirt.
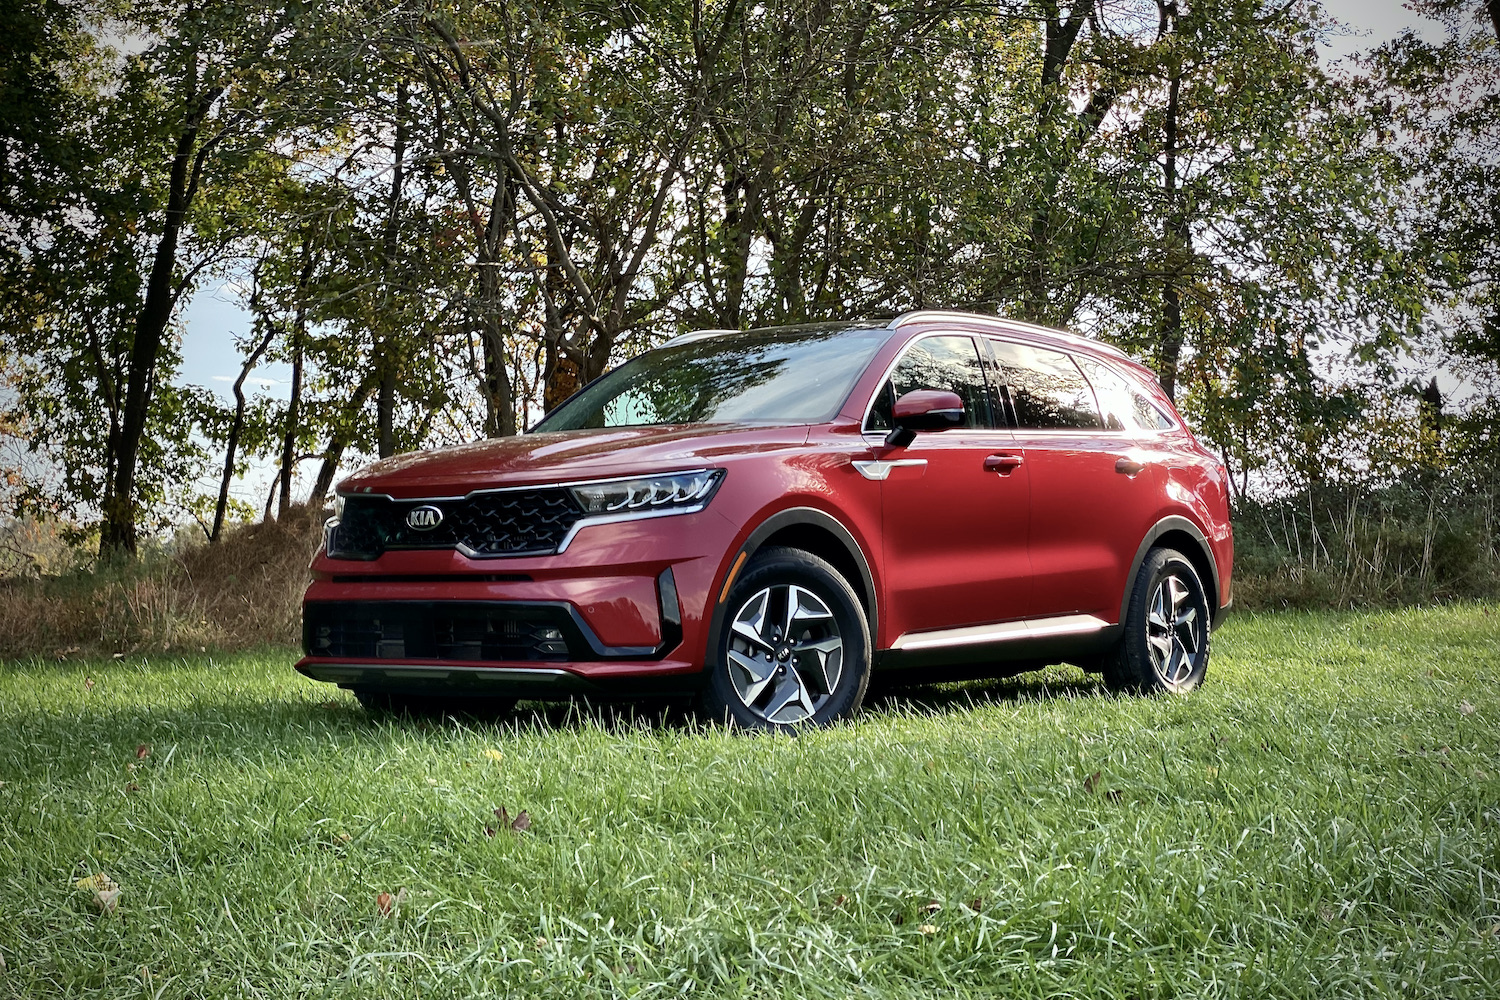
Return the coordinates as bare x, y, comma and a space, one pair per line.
1035, 641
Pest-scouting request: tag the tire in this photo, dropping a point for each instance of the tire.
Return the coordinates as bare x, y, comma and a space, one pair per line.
759, 680
1165, 646
377, 702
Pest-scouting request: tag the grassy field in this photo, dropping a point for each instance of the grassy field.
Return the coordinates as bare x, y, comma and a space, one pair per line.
1322, 820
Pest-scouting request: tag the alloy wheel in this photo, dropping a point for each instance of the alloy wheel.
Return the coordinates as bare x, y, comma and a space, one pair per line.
1175, 631
785, 654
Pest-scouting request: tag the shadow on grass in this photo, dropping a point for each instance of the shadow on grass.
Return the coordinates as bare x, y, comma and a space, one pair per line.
234, 723
949, 698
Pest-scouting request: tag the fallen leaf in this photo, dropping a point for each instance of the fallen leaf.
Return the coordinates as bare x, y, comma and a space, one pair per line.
541, 943
1466, 708
344, 837
976, 904
104, 892
520, 823
132, 787
88, 684
931, 906
928, 928
489, 831
142, 751
494, 754
118, 656
841, 900
385, 902
1091, 782
1115, 795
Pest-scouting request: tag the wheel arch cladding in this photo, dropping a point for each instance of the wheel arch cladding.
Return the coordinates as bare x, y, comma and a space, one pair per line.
811, 530
1179, 533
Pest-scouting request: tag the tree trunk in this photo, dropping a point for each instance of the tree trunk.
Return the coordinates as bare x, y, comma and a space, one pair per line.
118, 533
389, 357
339, 440
293, 416
238, 425
1178, 246
294, 402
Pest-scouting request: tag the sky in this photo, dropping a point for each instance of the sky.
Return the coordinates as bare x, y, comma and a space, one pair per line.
213, 318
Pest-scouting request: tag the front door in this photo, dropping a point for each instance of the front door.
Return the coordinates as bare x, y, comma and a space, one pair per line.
955, 502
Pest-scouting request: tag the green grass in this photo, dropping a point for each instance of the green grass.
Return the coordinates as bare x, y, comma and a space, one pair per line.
1321, 820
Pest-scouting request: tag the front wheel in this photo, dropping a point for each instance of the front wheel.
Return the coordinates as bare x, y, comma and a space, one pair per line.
1166, 638
793, 648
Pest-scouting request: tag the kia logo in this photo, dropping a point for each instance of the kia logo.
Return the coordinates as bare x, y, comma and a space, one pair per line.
424, 518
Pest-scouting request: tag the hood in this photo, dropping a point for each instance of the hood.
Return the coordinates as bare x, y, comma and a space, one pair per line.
566, 456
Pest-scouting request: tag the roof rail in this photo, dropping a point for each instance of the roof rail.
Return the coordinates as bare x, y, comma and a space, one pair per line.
1008, 325
688, 338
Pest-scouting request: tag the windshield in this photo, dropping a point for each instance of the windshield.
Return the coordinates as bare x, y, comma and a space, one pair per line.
793, 375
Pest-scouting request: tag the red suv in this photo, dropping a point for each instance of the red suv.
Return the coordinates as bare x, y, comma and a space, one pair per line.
768, 518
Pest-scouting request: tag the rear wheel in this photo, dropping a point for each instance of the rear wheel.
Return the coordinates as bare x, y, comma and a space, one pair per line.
1165, 644
378, 702
793, 649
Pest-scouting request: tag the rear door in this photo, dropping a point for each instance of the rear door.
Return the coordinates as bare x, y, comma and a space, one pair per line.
954, 503
1091, 494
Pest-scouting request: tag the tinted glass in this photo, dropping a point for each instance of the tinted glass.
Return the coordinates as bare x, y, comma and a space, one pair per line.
949, 364
789, 376
1117, 398
1046, 387
1148, 415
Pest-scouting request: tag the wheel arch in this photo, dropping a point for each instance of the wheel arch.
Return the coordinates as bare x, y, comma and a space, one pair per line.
810, 530
1177, 532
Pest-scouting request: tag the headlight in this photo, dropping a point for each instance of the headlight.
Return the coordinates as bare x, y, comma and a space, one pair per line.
679, 492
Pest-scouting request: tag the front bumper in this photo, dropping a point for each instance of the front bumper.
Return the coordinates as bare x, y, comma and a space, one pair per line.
624, 613
505, 680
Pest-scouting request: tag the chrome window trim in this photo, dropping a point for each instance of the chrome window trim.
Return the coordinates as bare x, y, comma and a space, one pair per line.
1007, 325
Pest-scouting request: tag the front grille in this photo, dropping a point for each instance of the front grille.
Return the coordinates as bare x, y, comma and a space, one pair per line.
504, 523
441, 630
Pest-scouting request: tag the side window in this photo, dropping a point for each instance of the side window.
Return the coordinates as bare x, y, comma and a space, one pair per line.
1117, 398
950, 364
1046, 388
1148, 415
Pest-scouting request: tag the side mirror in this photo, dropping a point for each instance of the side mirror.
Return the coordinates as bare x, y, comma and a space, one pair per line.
923, 410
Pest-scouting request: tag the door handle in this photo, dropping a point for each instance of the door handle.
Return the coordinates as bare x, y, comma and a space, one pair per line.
1003, 464
1128, 466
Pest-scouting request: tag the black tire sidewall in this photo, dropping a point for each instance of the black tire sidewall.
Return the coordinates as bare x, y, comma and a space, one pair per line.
773, 567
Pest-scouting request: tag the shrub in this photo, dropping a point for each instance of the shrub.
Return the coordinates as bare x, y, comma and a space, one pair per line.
245, 590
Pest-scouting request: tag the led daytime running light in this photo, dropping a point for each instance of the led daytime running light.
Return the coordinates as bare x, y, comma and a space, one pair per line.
648, 494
